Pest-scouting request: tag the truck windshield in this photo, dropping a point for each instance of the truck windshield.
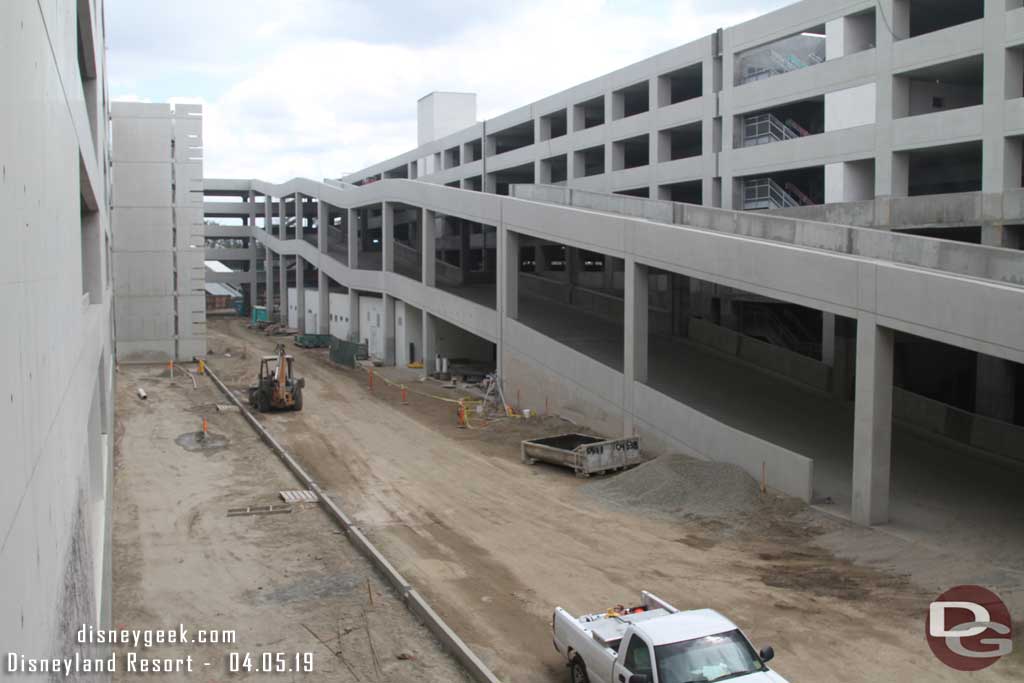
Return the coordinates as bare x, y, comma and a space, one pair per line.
711, 658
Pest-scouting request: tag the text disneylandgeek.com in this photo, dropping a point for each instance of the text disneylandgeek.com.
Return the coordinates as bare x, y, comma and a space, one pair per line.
130, 654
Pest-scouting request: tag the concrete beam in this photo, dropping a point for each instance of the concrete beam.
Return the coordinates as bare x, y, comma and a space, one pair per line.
872, 423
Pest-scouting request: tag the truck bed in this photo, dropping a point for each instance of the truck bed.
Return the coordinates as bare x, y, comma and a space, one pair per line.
595, 637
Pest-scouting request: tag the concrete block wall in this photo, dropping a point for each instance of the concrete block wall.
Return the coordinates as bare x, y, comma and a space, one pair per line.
55, 297
158, 231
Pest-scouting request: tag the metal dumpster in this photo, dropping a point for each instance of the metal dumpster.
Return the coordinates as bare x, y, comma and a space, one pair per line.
583, 453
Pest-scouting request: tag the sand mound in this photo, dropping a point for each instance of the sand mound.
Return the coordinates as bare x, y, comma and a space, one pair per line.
679, 485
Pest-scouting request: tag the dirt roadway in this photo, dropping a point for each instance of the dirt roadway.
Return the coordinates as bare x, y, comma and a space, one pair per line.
288, 583
495, 544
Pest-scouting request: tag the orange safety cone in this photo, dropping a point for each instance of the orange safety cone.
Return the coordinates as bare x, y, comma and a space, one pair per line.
462, 416
371, 379
405, 401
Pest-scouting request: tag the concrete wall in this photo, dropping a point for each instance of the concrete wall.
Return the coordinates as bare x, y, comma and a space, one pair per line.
312, 311
442, 113
55, 298
158, 231
371, 324
340, 325
408, 330
787, 364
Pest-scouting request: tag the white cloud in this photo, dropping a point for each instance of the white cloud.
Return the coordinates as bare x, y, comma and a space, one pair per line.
304, 103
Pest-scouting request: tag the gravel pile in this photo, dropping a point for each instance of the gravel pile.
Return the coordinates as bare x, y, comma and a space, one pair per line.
682, 486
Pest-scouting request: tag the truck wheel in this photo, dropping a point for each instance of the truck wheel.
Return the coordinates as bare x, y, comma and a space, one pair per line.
297, 395
263, 401
578, 672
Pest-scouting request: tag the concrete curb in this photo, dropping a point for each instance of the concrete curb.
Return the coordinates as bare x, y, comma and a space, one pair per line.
413, 600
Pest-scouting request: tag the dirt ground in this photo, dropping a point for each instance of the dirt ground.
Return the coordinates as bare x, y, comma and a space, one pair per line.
495, 544
285, 583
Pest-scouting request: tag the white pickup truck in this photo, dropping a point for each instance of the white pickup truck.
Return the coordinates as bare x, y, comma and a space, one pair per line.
656, 643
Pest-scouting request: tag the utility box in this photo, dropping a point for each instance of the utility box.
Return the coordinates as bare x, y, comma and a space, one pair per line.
583, 453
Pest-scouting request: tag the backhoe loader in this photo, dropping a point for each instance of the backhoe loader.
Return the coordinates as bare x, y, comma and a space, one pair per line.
277, 387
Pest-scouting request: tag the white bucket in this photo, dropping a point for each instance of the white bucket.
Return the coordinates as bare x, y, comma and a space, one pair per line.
526, 413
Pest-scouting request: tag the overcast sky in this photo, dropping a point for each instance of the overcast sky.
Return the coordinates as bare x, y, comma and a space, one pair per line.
320, 87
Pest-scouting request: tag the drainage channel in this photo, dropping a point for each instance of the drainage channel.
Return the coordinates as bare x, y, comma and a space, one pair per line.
415, 602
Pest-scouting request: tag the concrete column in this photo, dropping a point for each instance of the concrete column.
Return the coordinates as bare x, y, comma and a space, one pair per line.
886, 185
353, 316
323, 219
429, 332
353, 238
253, 274
509, 270
269, 284
323, 318
828, 339
298, 216
463, 249
282, 217
389, 329
429, 264
300, 294
994, 143
283, 293
872, 423
572, 255
268, 213
387, 237
634, 362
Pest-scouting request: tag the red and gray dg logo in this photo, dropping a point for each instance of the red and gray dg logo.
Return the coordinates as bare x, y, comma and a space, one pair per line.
969, 628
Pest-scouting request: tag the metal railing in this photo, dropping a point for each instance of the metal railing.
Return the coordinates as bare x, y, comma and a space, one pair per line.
778, 63
781, 328
765, 193
761, 129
